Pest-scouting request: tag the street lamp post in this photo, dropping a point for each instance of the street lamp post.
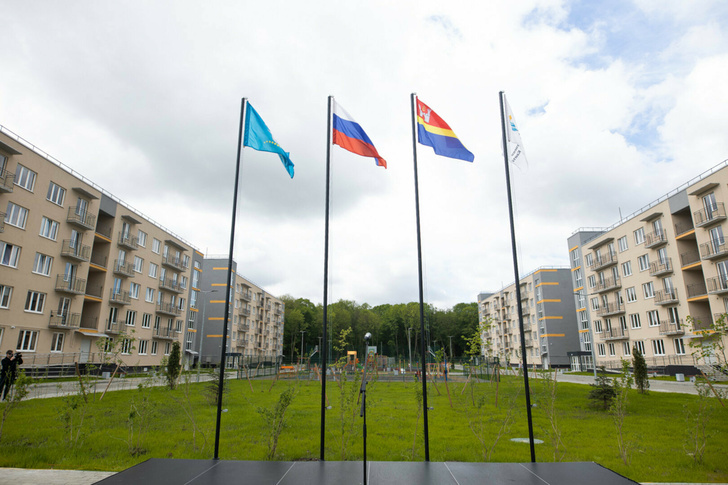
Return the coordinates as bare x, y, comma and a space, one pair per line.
302, 332
450, 337
409, 347
202, 333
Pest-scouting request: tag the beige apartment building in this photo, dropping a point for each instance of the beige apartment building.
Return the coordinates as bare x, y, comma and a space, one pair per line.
637, 282
549, 319
80, 271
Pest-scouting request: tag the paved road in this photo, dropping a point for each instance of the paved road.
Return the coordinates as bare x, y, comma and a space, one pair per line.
656, 385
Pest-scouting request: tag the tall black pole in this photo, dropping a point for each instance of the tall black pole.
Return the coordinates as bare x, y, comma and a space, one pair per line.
419, 268
324, 350
223, 352
518, 283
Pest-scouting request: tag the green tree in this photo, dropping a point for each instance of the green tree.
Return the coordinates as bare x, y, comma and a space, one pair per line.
640, 371
173, 366
602, 393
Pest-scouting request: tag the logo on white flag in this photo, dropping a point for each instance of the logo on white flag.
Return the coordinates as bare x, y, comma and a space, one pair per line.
515, 146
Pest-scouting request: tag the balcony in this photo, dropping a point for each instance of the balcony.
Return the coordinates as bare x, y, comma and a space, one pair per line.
96, 291
278, 310
666, 297
74, 250
696, 290
683, 228
164, 333
672, 328
175, 263
661, 268
243, 327
247, 295
168, 309
618, 333
98, 260
119, 297
603, 261
171, 285
114, 327
706, 217
714, 250
123, 268
6, 181
717, 285
610, 309
127, 241
689, 258
70, 321
2, 221
655, 239
66, 284
608, 284
245, 311
81, 218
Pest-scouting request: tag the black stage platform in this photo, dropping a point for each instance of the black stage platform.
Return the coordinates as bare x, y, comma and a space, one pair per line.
210, 472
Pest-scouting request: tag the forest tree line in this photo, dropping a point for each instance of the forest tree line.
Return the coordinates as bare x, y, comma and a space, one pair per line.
388, 324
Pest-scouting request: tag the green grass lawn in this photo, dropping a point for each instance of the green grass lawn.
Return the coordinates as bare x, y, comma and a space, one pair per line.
35, 434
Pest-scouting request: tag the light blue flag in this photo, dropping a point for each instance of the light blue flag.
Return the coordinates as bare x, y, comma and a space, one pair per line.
258, 137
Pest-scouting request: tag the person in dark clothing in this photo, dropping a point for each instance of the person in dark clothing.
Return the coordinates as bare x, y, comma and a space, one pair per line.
9, 371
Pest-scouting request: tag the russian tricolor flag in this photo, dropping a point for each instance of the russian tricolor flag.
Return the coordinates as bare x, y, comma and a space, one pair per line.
349, 135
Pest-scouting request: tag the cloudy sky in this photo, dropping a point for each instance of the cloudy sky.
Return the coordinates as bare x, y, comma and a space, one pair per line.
617, 102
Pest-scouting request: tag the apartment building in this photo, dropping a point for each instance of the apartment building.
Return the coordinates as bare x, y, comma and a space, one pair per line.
636, 282
255, 330
80, 271
549, 319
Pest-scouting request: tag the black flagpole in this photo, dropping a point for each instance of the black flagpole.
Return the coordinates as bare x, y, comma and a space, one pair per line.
518, 283
419, 268
223, 352
324, 350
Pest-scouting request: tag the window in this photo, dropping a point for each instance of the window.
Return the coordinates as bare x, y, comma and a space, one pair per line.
195, 279
653, 318
166, 348
612, 350
183, 282
625, 349
126, 346
153, 270
142, 238
622, 243
597, 326
150, 295
16, 216
185, 261
56, 194
143, 345
592, 281
178, 326
631, 294
589, 259
5, 293
154, 347
42, 264
640, 345
575, 258
644, 262
181, 303
193, 298
639, 236
658, 347
595, 303
34, 302
25, 178
189, 341
130, 318
48, 228
27, 339
146, 320
627, 268
134, 290
623, 322
57, 342
634, 320
138, 264
649, 290
156, 245
679, 346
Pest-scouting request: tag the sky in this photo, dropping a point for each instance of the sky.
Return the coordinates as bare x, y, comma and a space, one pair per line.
617, 103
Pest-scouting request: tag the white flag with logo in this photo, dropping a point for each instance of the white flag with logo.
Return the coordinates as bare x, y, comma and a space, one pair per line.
516, 154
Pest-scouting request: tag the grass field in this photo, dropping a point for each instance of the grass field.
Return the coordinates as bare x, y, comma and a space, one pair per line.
37, 432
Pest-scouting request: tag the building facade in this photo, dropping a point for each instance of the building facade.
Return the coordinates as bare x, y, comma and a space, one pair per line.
549, 319
657, 280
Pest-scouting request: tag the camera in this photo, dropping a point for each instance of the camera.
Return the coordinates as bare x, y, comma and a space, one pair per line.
18, 355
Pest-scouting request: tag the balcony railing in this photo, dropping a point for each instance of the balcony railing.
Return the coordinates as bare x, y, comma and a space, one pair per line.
705, 217
681, 229
120, 297
666, 297
655, 239
164, 332
128, 241
689, 257
6, 181
74, 250
99, 260
123, 268
245, 311
603, 261
714, 250
610, 309
70, 321
81, 218
243, 327
171, 285
277, 311
77, 286
658, 268
608, 284
671, 328
96, 291
169, 309
115, 327
696, 290
176, 263
717, 285
247, 295
2, 221
617, 333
